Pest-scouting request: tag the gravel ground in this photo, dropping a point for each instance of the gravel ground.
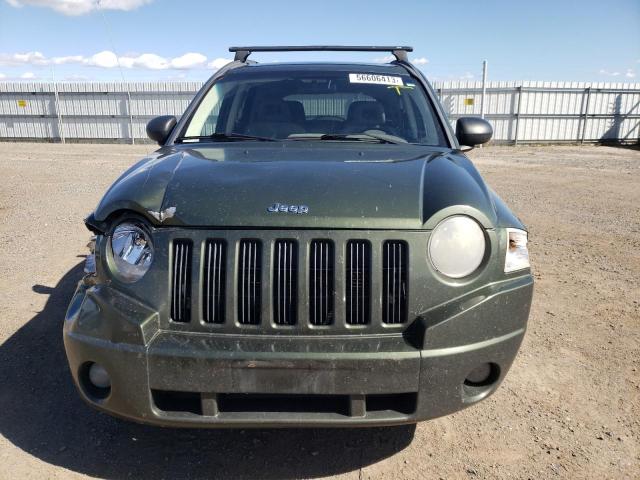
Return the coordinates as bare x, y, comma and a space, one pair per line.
570, 407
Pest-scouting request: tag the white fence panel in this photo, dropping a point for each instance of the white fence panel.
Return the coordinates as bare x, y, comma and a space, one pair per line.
520, 112
535, 112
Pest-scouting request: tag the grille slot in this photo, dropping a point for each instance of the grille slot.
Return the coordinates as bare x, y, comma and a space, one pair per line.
321, 287
394, 282
181, 281
285, 282
249, 282
213, 285
358, 263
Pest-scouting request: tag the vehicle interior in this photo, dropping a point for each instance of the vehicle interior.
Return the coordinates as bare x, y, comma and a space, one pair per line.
302, 105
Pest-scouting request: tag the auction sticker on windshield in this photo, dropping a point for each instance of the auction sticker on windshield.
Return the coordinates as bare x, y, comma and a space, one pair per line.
373, 78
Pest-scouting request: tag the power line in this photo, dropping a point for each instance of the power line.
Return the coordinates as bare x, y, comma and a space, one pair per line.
125, 83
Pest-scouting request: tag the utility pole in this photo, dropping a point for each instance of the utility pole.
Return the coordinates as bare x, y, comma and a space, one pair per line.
56, 104
484, 87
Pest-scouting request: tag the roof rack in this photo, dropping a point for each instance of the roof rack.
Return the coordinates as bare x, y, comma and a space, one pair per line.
242, 53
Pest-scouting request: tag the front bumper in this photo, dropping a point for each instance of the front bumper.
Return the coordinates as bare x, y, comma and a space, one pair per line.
186, 379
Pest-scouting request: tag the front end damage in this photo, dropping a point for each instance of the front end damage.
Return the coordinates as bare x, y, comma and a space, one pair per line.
450, 354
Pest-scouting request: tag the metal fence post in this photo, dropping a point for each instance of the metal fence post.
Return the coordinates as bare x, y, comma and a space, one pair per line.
484, 87
586, 114
519, 90
56, 108
133, 140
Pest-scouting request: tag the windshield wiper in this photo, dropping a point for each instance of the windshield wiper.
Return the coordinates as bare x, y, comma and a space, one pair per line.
353, 137
227, 137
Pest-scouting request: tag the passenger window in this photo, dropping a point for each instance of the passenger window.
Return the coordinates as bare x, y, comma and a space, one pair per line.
205, 118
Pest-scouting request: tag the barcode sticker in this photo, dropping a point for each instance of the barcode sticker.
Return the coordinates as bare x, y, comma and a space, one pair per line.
375, 79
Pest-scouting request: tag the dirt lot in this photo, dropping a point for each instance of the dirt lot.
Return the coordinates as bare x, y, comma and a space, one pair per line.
570, 407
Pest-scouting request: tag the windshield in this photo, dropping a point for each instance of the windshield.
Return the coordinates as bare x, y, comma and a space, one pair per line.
315, 105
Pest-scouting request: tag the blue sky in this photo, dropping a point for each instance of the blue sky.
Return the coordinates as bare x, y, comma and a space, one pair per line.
163, 39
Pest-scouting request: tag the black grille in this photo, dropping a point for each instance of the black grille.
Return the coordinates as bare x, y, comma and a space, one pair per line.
321, 289
181, 281
213, 292
345, 282
249, 282
285, 282
394, 282
358, 263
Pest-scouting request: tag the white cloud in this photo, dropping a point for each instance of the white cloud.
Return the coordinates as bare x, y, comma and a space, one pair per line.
628, 73
108, 59
385, 59
467, 76
81, 7
149, 61
188, 60
76, 78
218, 63
24, 76
391, 58
68, 59
105, 59
31, 58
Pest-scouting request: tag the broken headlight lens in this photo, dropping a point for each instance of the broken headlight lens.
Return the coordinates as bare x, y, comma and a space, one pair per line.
132, 251
457, 246
517, 251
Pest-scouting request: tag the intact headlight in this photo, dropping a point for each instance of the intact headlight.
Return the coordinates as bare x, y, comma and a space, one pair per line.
457, 246
132, 251
517, 251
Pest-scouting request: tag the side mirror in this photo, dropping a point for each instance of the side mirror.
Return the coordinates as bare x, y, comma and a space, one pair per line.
159, 128
472, 131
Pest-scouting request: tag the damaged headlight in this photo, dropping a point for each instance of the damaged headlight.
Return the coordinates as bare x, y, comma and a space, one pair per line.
457, 246
132, 251
90, 261
517, 251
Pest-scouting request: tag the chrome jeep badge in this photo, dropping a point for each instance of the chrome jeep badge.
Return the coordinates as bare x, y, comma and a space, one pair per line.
284, 208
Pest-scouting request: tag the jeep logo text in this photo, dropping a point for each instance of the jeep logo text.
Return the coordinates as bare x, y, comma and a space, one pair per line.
284, 208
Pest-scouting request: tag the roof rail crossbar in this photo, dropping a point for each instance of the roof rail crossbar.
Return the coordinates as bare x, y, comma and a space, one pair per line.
242, 53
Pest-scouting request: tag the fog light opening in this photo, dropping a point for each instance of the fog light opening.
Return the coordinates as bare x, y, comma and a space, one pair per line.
95, 380
99, 376
483, 375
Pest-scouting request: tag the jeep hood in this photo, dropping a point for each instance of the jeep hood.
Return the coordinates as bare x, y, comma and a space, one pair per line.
344, 186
